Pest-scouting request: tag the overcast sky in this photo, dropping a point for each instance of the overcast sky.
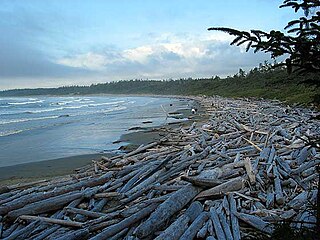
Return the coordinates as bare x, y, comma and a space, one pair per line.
45, 43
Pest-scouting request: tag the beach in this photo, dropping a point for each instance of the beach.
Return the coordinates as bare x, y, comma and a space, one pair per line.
141, 133
240, 164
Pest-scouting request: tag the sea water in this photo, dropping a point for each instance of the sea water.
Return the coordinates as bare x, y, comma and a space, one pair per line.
43, 128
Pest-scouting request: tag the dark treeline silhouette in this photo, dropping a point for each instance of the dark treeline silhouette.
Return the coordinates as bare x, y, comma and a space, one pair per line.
263, 81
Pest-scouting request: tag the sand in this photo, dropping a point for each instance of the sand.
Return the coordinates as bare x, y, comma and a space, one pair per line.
63, 166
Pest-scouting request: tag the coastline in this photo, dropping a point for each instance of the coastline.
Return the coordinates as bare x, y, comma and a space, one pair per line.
51, 168
213, 162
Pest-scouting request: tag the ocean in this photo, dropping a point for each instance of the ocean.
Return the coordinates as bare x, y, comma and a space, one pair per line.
43, 128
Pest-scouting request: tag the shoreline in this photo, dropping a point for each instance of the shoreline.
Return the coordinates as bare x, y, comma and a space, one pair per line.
217, 163
51, 168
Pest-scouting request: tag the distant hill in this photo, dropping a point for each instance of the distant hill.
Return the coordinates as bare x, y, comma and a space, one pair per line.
259, 82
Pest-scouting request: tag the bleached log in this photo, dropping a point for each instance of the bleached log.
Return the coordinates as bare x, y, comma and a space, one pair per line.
45, 229
305, 166
165, 210
234, 184
22, 233
75, 235
202, 182
224, 224
277, 187
249, 170
203, 230
150, 145
178, 227
217, 225
87, 213
270, 200
233, 219
192, 230
256, 222
120, 234
18, 203
253, 144
114, 229
45, 205
46, 233
303, 155
107, 195
52, 221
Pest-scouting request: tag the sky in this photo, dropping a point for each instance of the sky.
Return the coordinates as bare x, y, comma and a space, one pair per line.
50, 43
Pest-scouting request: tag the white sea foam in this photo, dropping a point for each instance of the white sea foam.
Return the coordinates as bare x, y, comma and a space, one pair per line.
26, 120
25, 103
8, 133
113, 109
45, 110
107, 103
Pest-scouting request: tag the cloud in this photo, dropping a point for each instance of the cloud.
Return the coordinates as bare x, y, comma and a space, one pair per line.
32, 55
174, 58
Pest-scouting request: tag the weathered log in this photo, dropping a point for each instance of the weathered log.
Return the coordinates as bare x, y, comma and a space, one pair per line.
256, 222
45, 205
249, 170
305, 166
52, 221
202, 182
46, 233
116, 228
119, 235
192, 230
165, 210
87, 213
45, 229
277, 186
18, 203
107, 195
270, 200
224, 224
178, 227
134, 179
229, 186
22, 233
150, 145
75, 235
217, 225
233, 219
203, 230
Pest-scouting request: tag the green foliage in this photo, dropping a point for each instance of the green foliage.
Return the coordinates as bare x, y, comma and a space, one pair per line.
260, 82
301, 43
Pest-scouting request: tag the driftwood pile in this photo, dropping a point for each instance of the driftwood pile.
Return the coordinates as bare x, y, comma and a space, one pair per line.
229, 177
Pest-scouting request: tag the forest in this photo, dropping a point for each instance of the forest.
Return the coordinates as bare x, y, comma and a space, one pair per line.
263, 81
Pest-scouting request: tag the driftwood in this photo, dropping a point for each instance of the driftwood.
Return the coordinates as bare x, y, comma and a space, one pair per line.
229, 186
112, 230
52, 221
192, 230
169, 207
217, 225
246, 162
177, 228
256, 222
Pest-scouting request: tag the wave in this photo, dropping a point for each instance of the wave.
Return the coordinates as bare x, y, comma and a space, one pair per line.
108, 103
13, 132
45, 110
112, 109
25, 103
27, 119
8, 133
